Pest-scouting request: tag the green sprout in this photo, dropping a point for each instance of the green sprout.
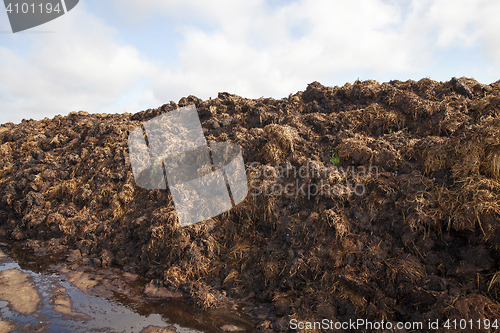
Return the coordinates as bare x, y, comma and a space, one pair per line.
335, 159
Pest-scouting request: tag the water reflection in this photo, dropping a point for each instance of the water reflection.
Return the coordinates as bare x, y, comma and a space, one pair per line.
93, 300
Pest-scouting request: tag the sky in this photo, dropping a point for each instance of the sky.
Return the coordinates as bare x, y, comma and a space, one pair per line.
119, 56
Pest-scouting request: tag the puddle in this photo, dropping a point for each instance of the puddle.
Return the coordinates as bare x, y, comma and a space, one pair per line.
45, 295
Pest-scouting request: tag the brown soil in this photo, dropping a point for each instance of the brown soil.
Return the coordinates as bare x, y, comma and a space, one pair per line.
416, 240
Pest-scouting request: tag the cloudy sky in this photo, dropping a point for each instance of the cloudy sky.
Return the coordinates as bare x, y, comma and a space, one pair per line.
127, 55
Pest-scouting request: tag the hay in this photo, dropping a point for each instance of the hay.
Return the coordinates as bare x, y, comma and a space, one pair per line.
281, 141
494, 158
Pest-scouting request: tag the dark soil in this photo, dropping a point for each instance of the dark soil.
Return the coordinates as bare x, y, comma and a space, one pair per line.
411, 233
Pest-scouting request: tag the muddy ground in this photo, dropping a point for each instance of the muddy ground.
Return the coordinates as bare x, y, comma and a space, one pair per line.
43, 294
368, 201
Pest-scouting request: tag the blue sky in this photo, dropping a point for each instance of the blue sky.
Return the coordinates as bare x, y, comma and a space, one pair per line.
127, 55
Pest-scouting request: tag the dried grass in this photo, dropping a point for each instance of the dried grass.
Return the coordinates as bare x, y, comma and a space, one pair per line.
494, 158
233, 275
375, 116
436, 157
239, 251
478, 201
471, 155
494, 284
355, 298
338, 222
117, 207
405, 268
281, 142
175, 276
356, 150
473, 307
271, 271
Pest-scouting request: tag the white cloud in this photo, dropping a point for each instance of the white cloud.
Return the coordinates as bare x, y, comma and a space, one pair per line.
257, 50
83, 65
461, 24
252, 48
490, 26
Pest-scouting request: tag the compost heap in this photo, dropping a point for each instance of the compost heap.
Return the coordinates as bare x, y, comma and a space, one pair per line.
405, 224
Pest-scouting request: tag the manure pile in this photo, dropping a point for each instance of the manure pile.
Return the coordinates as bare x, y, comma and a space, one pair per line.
372, 201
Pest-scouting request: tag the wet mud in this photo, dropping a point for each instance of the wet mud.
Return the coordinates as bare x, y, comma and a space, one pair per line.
39, 294
375, 201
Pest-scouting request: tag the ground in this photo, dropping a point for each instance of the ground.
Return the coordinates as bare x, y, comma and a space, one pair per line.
372, 201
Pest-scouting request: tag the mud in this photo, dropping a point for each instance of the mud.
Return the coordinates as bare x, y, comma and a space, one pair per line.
59, 299
16, 289
368, 201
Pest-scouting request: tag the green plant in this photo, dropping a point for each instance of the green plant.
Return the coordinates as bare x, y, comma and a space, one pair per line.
335, 159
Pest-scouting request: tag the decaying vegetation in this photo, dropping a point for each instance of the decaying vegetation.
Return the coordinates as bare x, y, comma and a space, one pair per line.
422, 242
